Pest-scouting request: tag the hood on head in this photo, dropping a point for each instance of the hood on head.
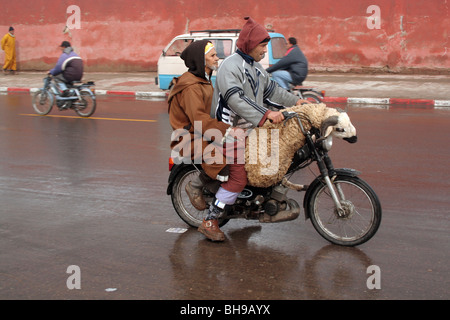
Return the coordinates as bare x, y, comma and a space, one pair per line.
194, 58
68, 50
251, 35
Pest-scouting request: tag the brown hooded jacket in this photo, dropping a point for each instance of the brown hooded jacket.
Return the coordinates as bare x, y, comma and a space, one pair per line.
189, 101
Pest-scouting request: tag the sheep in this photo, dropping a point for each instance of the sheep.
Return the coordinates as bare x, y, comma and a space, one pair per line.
265, 169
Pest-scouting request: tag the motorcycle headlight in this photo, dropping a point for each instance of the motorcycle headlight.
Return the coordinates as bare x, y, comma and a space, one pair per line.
327, 143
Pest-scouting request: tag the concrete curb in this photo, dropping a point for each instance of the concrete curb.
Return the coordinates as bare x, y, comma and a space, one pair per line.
392, 102
429, 104
140, 94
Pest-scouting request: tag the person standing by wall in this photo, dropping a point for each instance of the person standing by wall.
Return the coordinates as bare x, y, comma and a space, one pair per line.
9, 46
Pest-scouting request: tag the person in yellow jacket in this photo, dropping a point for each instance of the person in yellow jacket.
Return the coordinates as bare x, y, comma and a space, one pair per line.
9, 46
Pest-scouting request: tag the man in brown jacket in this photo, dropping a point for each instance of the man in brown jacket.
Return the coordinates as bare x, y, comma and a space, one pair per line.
189, 114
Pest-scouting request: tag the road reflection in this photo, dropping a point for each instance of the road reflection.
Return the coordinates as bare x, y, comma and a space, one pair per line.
243, 269
336, 272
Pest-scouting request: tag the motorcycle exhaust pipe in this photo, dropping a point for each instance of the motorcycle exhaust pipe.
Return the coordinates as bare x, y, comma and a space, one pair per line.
286, 215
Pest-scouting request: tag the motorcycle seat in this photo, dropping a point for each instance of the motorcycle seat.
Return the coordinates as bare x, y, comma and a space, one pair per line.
73, 84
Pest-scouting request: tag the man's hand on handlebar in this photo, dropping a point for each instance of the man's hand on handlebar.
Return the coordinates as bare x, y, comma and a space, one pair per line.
275, 116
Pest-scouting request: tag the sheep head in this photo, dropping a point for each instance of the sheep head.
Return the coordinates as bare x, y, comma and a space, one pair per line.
339, 126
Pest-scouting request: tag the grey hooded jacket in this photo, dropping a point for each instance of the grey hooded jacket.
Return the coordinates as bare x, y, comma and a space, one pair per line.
244, 92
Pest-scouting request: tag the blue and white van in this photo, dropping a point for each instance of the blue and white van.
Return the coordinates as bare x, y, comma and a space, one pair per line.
170, 64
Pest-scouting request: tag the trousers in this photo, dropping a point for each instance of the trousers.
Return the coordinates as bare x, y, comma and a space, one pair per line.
283, 78
237, 177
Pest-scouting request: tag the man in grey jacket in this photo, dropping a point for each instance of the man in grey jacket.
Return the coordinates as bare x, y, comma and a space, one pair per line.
242, 92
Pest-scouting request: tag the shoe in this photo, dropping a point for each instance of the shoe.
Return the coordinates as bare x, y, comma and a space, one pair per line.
196, 197
211, 230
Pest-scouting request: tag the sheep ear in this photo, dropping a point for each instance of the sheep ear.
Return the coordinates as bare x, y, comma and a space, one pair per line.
327, 125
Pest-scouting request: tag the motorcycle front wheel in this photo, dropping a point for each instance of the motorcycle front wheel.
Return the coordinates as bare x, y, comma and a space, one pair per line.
359, 219
42, 102
181, 202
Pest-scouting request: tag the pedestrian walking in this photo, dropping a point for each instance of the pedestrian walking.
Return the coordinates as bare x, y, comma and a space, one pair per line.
9, 46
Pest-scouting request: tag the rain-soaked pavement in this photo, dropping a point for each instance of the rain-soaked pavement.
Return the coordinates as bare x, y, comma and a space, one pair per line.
83, 202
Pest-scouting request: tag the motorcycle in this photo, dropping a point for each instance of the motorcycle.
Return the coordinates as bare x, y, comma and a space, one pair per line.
77, 97
342, 207
308, 93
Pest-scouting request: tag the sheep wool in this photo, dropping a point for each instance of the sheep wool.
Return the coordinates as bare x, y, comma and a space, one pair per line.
271, 147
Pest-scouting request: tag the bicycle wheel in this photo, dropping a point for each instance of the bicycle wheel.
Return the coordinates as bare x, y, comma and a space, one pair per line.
43, 102
361, 215
181, 202
85, 107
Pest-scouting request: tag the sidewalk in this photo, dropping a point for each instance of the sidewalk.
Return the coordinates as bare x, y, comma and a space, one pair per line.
433, 90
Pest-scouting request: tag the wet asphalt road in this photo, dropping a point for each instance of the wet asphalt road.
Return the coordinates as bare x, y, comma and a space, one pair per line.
92, 193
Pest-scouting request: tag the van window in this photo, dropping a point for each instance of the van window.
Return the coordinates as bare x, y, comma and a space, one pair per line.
223, 47
177, 47
278, 47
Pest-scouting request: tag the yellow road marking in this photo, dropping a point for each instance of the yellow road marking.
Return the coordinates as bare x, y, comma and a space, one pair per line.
93, 118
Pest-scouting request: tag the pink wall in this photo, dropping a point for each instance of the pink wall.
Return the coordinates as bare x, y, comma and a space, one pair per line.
117, 35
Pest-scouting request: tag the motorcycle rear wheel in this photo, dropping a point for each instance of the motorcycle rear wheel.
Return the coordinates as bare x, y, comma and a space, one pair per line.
86, 106
181, 202
362, 211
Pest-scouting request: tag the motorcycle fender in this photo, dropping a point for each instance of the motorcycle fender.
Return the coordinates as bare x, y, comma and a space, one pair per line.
90, 92
315, 91
340, 172
173, 173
